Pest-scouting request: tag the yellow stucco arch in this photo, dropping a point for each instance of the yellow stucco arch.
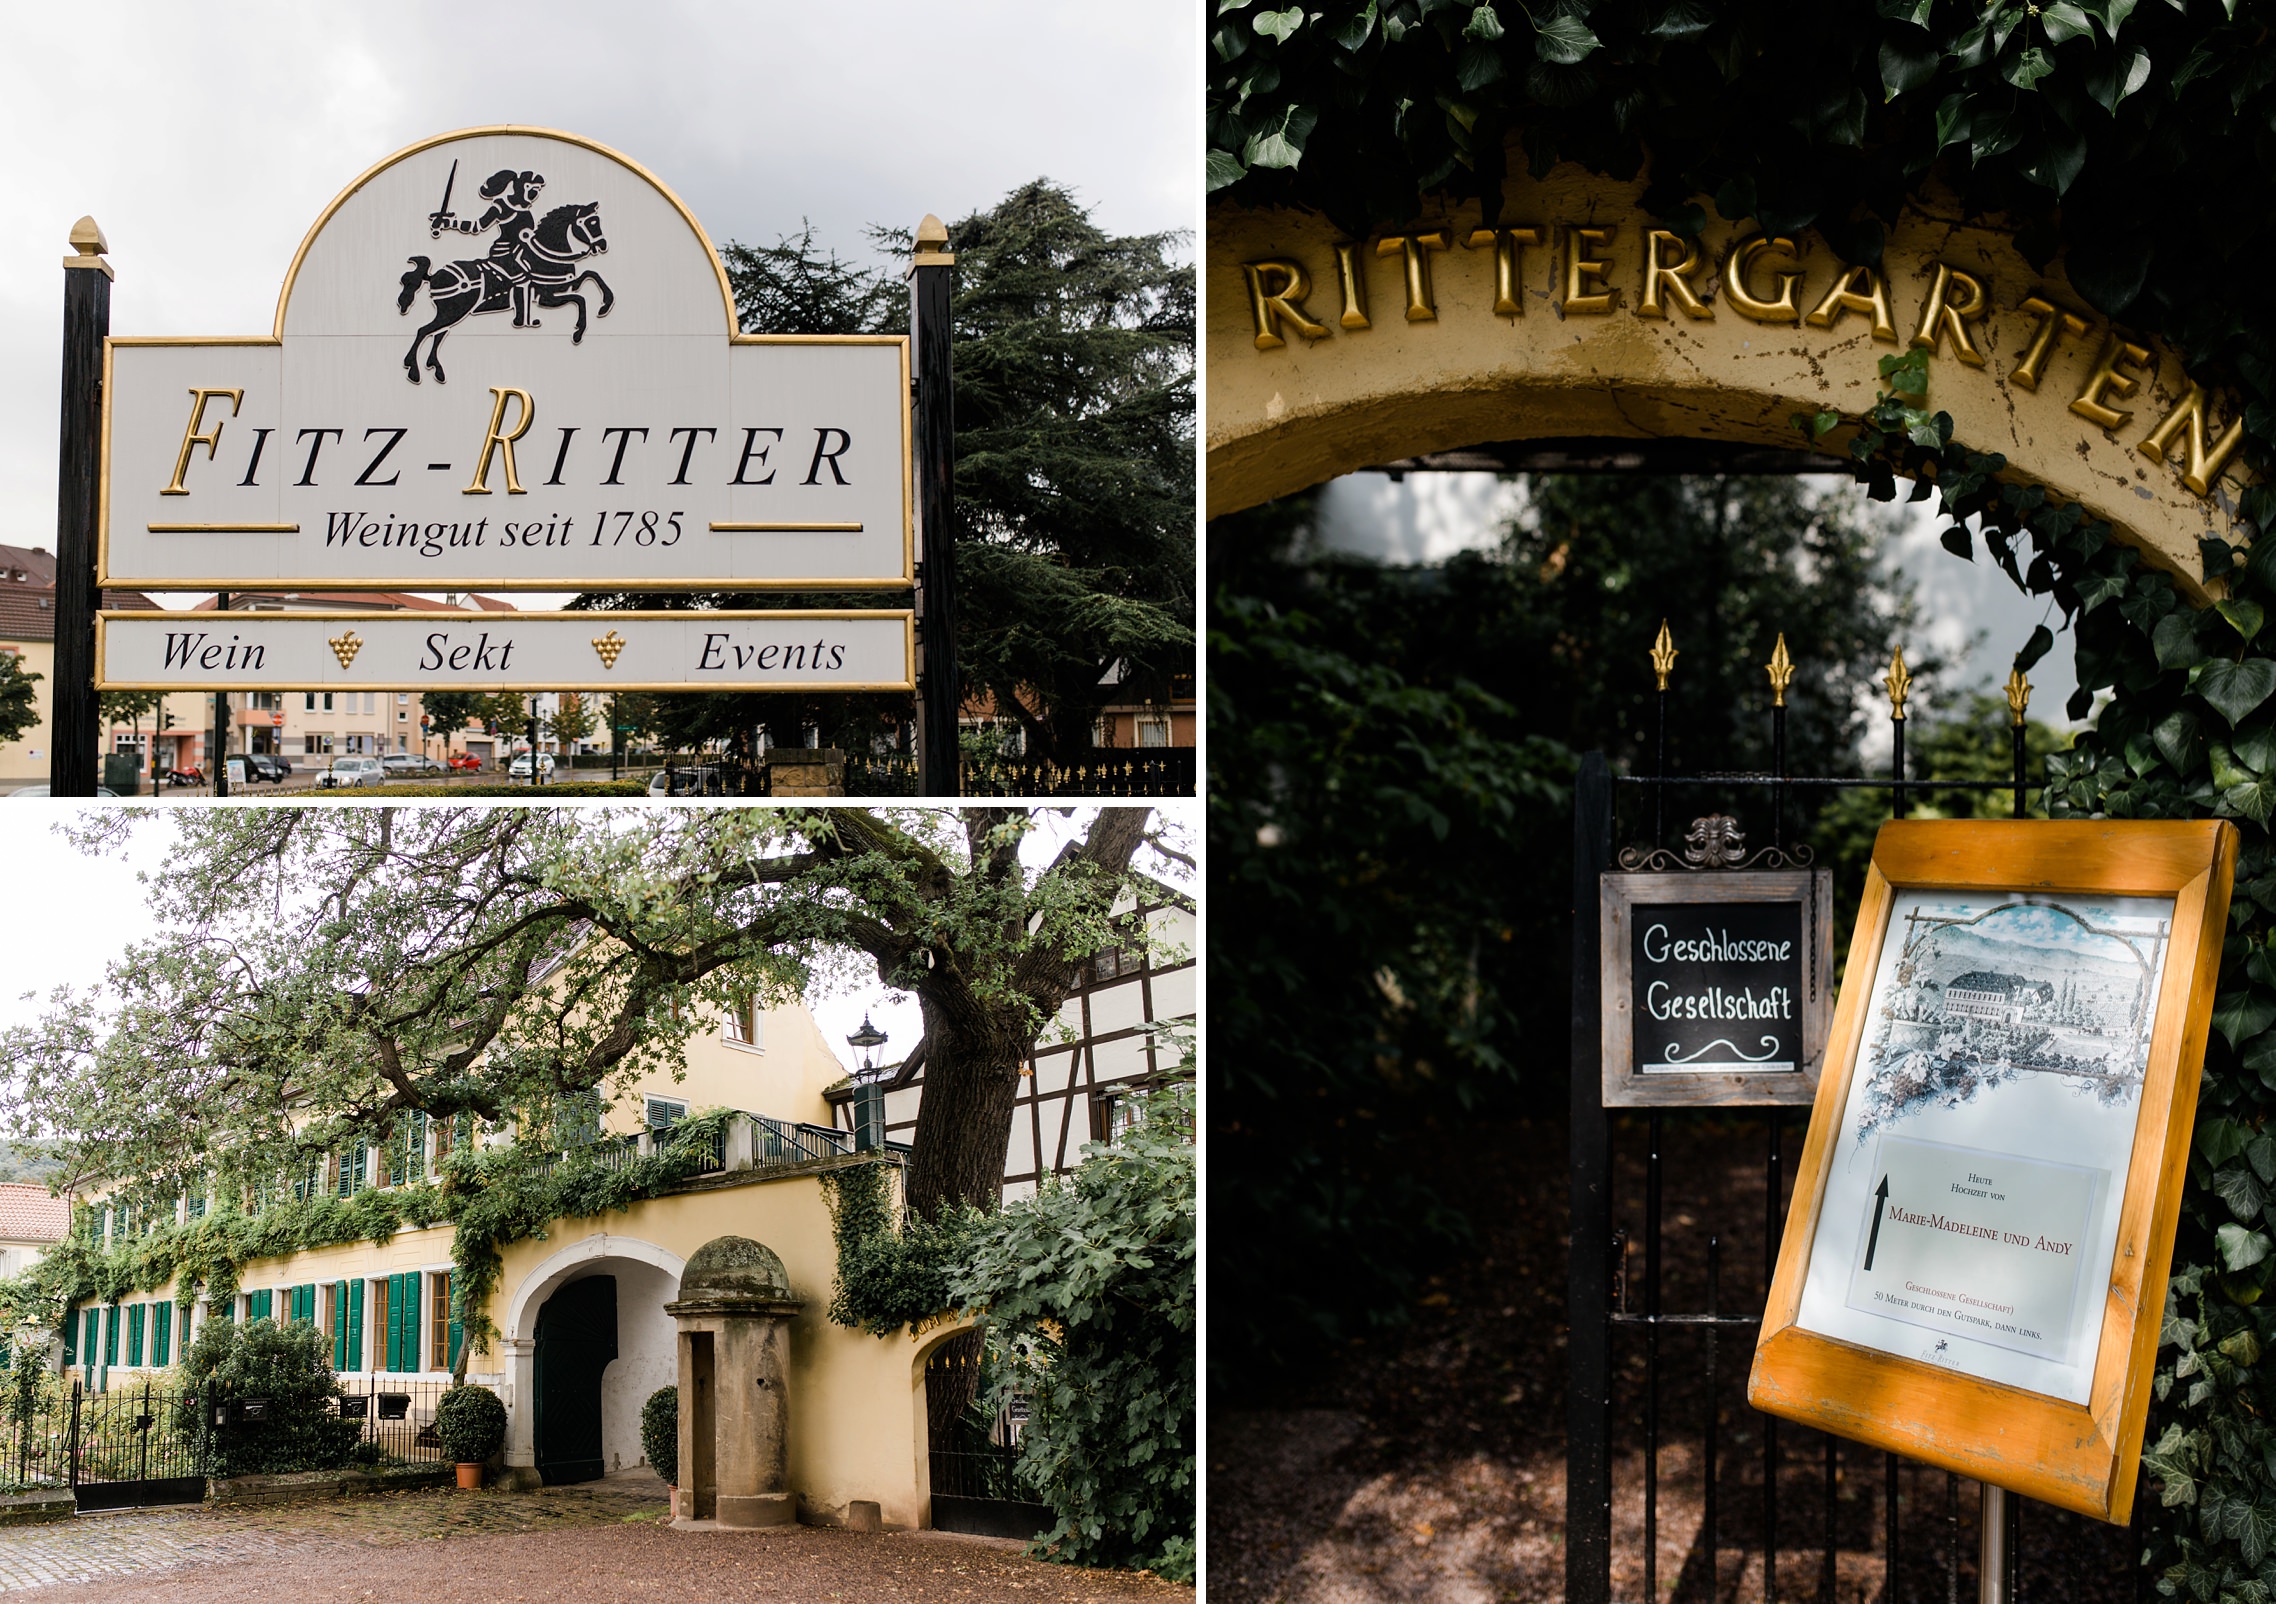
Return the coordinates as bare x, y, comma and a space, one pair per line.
1570, 316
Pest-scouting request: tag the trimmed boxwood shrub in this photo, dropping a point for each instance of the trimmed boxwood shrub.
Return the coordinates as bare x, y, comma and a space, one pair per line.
288, 1370
472, 1424
660, 1433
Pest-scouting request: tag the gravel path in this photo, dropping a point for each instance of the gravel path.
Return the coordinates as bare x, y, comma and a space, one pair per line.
600, 1541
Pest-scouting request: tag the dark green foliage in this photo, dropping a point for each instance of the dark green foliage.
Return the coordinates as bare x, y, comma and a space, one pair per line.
290, 1368
1090, 1283
1074, 462
794, 287
891, 1273
19, 696
472, 1424
660, 1433
1390, 827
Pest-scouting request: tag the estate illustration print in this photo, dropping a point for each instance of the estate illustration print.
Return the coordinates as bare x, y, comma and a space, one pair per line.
1971, 1207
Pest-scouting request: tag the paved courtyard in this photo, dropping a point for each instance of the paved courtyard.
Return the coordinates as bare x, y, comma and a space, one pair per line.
602, 1540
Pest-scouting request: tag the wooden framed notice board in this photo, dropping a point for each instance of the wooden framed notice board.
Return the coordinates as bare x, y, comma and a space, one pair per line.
1974, 1267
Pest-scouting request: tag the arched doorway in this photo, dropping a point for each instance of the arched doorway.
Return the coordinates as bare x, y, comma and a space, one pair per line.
587, 1341
575, 1345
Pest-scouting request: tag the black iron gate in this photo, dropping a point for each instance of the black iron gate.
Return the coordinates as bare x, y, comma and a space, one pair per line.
1801, 1514
137, 1447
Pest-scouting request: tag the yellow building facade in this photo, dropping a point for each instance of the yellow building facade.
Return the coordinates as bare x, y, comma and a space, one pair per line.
583, 1336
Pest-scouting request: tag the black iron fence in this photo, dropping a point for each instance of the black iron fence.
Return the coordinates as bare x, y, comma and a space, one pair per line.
136, 1446
1769, 1510
1111, 771
396, 1419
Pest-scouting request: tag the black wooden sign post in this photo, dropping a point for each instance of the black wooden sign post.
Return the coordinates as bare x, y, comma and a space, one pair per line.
86, 323
940, 693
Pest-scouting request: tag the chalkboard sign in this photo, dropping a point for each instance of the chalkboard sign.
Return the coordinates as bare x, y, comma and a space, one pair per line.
1717, 986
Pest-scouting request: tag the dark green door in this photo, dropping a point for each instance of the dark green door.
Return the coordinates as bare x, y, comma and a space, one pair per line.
576, 1339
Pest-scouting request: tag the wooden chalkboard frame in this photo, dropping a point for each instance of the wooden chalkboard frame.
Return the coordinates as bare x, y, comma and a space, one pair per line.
2081, 1457
1618, 895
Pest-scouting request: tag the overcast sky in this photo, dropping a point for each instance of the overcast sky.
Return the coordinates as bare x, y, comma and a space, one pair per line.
39, 953
206, 139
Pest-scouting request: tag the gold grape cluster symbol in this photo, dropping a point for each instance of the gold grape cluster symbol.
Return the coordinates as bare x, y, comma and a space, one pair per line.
345, 646
608, 646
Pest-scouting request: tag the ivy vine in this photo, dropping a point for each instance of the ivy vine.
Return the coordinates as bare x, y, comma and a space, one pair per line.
492, 1198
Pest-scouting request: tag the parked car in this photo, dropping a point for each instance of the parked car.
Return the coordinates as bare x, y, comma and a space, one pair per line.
41, 790
704, 781
347, 772
268, 768
407, 765
520, 770
466, 762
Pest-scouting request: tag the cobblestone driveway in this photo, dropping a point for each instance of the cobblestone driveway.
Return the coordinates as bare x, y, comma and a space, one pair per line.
598, 1541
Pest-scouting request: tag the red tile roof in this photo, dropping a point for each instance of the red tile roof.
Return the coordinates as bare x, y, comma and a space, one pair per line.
27, 612
377, 600
29, 1214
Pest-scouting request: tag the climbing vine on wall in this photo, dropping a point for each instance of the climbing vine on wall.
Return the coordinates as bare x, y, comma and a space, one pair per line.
2137, 143
493, 1198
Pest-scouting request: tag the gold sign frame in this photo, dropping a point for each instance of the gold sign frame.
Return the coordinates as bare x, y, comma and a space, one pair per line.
2078, 1457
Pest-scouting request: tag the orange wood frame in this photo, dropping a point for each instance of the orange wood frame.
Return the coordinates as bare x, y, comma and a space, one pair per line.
2077, 1457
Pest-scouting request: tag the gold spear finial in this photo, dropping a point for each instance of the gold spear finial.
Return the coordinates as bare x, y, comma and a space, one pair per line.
2018, 696
1663, 655
1781, 670
1899, 683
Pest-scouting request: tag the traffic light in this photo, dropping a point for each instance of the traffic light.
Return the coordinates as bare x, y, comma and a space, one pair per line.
165, 721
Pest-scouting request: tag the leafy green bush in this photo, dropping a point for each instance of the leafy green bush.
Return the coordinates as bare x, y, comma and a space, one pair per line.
1090, 1284
660, 1433
472, 1424
288, 1369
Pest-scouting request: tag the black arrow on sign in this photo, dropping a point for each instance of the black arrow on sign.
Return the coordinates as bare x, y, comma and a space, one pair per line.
1880, 1199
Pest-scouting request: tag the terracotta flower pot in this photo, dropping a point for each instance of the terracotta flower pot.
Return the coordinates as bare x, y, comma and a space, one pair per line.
470, 1477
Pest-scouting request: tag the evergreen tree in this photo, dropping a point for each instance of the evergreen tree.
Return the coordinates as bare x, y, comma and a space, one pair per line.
19, 702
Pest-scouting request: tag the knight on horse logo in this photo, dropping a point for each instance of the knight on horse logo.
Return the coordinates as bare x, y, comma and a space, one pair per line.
533, 262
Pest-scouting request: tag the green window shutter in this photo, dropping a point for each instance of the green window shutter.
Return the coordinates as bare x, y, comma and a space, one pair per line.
457, 1329
111, 1337
136, 1315
394, 1323
355, 1326
70, 1338
260, 1305
411, 1358
162, 1352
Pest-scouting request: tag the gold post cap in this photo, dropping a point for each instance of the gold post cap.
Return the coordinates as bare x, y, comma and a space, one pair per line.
1663, 655
1899, 682
1781, 671
932, 243
2018, 696
89, 246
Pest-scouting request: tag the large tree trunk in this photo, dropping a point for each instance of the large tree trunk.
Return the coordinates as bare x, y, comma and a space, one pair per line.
964, 1122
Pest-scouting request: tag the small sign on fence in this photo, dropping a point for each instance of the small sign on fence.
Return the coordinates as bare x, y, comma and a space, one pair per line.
1718, 985
1975, 1262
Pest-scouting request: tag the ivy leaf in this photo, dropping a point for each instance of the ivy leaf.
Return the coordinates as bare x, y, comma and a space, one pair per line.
2242, 1191
2112, 14
1354, 32
1686, 19
2260, 1153
1477, 66
2241, 1249
1224, 168
2241, 1014
2235, 689
1909, 59
1282, 146
2176, 738
1958, 542
2252, 1525
2220, 1139
2065, 21
2110, 82
2245, 616
2028, 68
1952, 121
1564, 41
2242, 1348
1279, 24
2061, 157
2174, 640
1483, 26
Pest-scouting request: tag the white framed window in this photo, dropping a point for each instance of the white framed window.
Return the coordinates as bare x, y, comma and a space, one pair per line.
1153, 729
745, 1024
